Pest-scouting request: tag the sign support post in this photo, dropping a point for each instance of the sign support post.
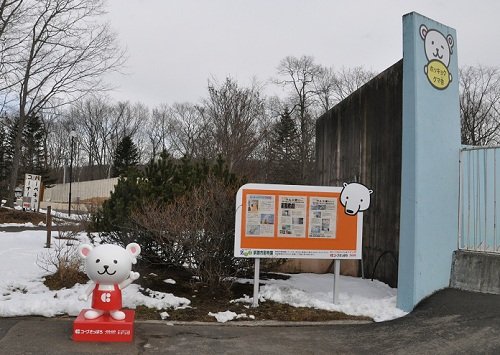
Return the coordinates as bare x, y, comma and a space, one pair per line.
336, 278
256, 277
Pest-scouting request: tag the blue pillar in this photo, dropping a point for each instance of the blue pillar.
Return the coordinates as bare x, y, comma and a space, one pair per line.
430, 158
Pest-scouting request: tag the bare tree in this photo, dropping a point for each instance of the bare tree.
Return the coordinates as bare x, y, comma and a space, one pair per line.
297, 75
57, 126
65, 53
93, 120
126, 120
331, 87
480, 105
188, 131
349, 80
12, 15
101, 126
157, 130
235, 117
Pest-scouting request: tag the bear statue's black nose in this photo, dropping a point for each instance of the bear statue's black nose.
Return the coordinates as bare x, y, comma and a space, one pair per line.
105, 267
348, 211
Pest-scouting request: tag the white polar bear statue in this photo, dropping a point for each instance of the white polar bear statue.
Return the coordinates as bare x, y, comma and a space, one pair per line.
109, 267
355, 198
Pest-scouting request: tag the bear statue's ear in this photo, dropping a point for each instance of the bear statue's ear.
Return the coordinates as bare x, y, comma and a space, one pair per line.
84, 250
344, 184
134, 249
370, 191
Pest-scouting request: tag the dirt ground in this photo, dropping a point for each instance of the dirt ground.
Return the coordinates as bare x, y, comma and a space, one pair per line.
8, 215
203, 300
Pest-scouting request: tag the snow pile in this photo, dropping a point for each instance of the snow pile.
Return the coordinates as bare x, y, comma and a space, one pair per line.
24, 225
358, 297
223, 317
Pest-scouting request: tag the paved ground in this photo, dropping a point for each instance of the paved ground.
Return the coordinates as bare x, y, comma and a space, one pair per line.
449, 322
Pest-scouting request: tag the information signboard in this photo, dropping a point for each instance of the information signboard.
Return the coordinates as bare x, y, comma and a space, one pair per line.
32, 189
294, 221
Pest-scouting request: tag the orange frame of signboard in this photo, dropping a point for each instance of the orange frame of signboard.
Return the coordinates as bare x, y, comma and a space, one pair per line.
344, 242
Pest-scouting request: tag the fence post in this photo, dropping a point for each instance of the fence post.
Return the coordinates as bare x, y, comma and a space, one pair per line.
48, 223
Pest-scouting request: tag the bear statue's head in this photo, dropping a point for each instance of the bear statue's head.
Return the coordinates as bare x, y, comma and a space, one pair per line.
109, 264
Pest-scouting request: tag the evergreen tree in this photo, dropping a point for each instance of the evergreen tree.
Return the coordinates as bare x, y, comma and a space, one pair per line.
32, 154
284, 154
33, 157
163, 180
126, 156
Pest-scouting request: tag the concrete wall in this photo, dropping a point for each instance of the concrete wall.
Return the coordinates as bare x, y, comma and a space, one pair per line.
430, 160
476, 271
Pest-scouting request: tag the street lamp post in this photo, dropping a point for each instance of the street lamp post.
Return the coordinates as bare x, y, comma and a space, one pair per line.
72, 134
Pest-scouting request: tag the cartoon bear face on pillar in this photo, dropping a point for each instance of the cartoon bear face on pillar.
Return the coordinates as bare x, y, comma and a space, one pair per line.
438, 50
109, 267
355, 198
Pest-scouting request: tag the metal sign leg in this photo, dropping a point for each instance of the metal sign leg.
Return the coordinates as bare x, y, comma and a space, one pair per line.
256, 283
336, 279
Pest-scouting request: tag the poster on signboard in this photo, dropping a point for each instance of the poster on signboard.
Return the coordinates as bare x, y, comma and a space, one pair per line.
292, 216
260, 216
323, 217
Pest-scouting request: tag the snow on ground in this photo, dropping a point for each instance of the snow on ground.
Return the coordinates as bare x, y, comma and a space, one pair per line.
24, 225
76, 216
22, 291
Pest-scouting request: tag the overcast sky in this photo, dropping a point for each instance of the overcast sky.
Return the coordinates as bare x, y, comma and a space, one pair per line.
174, 46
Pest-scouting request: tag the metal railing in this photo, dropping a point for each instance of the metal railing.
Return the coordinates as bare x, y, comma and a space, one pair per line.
479, 210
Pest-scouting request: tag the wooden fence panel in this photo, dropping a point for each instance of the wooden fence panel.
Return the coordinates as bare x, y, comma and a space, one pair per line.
359, 140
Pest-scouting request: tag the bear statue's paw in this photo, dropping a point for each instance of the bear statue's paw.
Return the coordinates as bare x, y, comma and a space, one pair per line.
117, 315
93, 314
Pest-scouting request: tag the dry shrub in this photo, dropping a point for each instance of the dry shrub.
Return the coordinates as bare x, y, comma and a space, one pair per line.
62, 262
197, 228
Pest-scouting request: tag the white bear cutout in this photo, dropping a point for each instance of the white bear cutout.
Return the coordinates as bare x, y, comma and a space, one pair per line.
355, 198
109, 267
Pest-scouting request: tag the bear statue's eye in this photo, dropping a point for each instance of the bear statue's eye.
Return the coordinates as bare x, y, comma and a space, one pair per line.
97, 260
432, 42
347, 197
361, 200
116, 262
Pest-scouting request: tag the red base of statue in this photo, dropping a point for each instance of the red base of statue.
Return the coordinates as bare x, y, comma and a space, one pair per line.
104, 328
